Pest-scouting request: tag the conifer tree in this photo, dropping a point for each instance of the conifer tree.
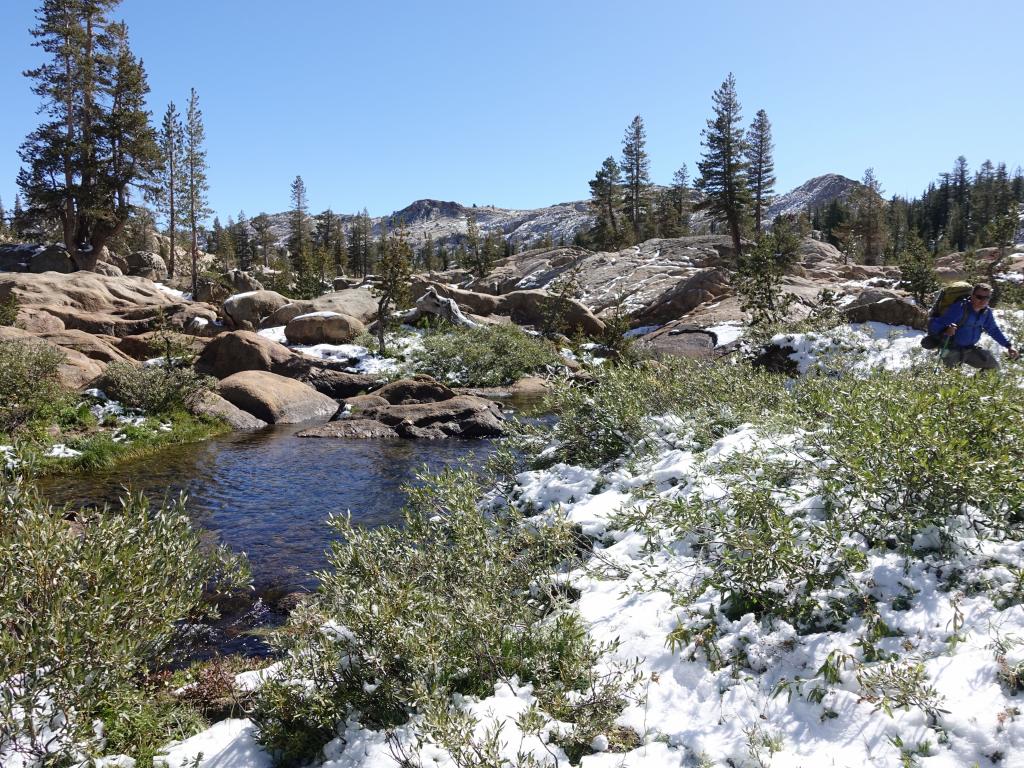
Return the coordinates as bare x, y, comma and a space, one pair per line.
171, 178
426, 254
359, 243
95, 144
723, 166
394, 273
762, 165
917, 268
682, 198
868, 226
197, 208
635, 169
4, 231
298, 225
478, 260
242, 239
605, 199
264, 238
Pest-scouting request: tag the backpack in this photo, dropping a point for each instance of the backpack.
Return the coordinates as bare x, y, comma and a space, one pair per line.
948, 296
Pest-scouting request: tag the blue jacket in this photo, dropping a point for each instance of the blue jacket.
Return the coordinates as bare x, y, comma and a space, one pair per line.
969, 325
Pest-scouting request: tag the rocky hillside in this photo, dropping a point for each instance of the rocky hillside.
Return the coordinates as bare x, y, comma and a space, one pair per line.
445, 221
819, 191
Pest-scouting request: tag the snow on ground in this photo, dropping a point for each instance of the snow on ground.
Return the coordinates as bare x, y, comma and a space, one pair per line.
362, 359
726, 333
772, 705
182, 295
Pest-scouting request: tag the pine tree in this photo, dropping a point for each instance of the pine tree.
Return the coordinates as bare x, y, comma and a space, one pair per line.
242, 239
605, 199
477, 259
359, 244
868, 227
4, 231
759, 272
394, 273
917, 269
171, 178
196, 206
95, 144
225, 250
762, 165
264, 238
426, 254
635, 169
682, 197
723, 165
298, 225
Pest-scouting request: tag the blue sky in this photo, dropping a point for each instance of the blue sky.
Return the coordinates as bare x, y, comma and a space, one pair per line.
516, 104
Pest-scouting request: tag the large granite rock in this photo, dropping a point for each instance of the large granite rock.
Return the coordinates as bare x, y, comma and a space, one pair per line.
16, 257
359, 303
459, 416
96, 347
276, 399
53, 258
247, 310
884, 306
146, 264
323, 328
419, 389
213, 406
237, 351
146, 346
702, 287
352, 429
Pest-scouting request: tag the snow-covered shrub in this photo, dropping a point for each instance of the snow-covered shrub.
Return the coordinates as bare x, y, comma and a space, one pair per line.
488, 356
908, 451
611, 416
454, 601
29, 386
87, 610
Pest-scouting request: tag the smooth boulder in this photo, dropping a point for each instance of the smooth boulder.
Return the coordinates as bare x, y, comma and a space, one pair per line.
237, 351
323, 328
146, 264
246, 310
276, 399
212, 405
53, 258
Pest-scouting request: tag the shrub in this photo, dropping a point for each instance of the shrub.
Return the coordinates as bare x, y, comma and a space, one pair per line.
88, 609
155, 389
611, 416
453, 602
911, 450
9, 311
30, 388
488, 356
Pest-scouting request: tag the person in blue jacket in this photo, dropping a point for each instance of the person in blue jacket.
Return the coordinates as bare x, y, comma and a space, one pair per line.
963, 323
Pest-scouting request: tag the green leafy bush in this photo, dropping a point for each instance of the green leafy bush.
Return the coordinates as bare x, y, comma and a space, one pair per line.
911, 450
88, 609
30, 388
155, 389
453, 602
9, 311
488, 356
611, 416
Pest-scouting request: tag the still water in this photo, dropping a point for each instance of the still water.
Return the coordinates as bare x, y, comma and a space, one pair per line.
269, 493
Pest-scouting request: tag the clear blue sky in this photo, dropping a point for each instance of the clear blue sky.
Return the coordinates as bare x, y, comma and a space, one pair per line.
517, 103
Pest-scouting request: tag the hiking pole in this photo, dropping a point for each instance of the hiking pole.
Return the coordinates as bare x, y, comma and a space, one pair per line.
942, 351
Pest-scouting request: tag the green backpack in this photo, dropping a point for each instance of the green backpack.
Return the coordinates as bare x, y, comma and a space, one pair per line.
948, 296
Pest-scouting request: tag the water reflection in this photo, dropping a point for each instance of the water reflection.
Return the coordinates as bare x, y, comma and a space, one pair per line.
269, 494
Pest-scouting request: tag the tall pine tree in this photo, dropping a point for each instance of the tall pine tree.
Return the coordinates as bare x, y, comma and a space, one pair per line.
762, 166
605, 198
723, 165
196, 204
172, 179
635, 168
96, 144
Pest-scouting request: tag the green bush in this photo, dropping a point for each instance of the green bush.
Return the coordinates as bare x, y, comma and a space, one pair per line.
488, 356
611, 416
453, 602
89, 609
155, 389
30, 388
911, 450
9, 311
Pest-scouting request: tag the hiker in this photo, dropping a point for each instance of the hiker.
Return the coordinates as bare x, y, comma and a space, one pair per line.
960, 327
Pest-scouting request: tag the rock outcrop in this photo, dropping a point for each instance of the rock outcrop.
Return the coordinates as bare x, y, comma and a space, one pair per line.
884, 306
276, 399
76, 372
246, 310
146, 264
359, 303
323, 328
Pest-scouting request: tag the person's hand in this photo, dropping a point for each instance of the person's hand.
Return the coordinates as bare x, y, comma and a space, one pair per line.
1012, 353
950, 329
